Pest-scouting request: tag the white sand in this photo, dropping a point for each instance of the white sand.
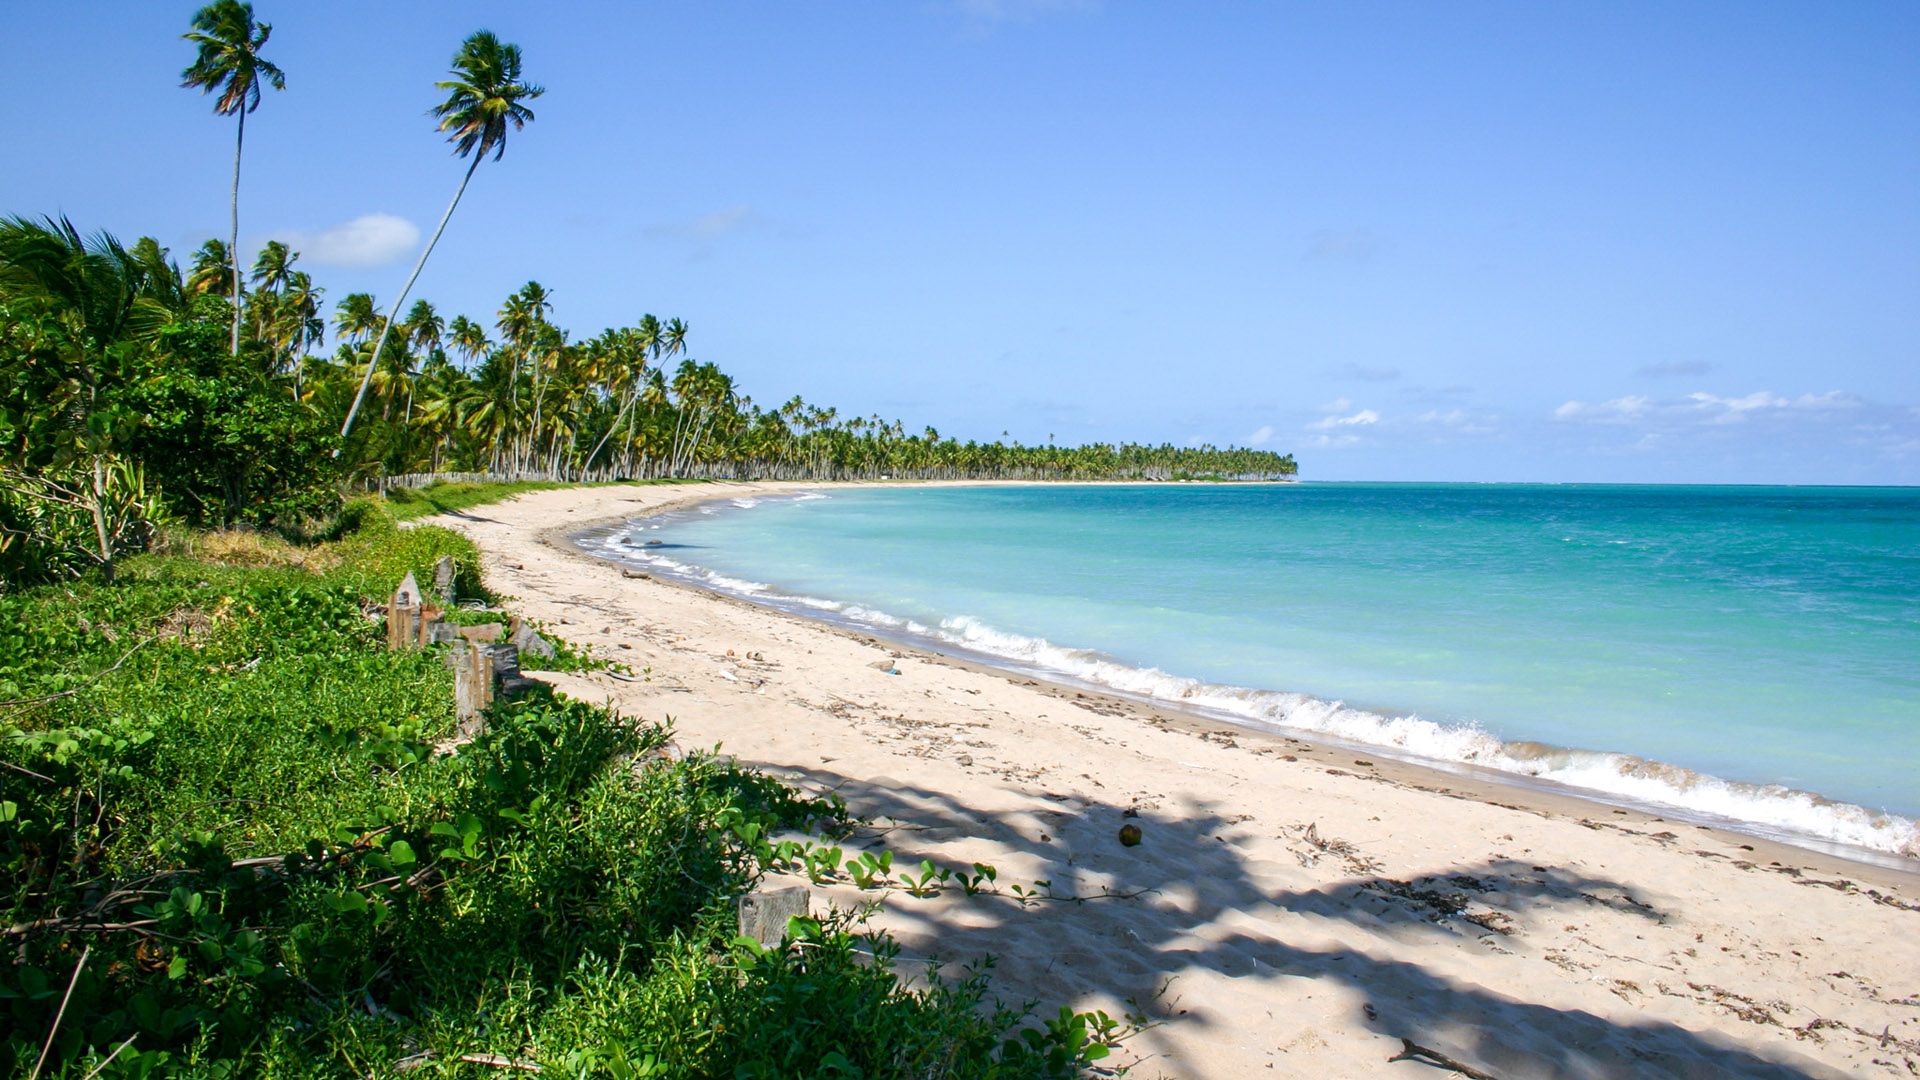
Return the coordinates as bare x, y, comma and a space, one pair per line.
1582, 941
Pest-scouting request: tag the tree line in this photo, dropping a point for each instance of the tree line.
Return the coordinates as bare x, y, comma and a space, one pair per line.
134, 390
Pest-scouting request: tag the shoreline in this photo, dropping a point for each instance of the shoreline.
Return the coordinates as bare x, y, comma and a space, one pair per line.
1272, 864
1492, 784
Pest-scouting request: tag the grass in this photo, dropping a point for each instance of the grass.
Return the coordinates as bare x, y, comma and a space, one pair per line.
408, 503
229, 846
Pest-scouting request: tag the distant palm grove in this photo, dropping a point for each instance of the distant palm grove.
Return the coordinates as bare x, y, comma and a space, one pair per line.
135, 389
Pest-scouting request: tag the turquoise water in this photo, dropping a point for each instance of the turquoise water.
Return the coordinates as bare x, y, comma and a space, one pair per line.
1724, 650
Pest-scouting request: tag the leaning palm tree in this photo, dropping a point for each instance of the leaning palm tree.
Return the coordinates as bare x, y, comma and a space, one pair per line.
484, 96
230, 62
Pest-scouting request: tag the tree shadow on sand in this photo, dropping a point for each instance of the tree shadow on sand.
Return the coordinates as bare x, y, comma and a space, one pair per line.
1203, 905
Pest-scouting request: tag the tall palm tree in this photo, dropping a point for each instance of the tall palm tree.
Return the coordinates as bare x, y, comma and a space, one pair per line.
274, 267
424, 326
484, 96
229, 62
212, 270
357, 317
467, 336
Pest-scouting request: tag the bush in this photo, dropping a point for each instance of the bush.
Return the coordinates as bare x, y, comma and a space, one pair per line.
232, 820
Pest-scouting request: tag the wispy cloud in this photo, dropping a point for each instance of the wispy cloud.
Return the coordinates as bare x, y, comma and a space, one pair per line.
1703, 408
1263, 436
1675, 369
368, 240
1334, 421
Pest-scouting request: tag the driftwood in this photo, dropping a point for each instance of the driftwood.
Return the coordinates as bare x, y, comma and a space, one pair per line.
1413, 1051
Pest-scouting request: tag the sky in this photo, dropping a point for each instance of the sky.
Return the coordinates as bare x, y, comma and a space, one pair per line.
1624, 242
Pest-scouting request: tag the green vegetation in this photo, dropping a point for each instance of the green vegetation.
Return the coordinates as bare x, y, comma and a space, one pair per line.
236, 840
238, 835
445, 498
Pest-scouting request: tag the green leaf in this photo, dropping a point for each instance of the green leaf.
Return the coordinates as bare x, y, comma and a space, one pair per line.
401, 853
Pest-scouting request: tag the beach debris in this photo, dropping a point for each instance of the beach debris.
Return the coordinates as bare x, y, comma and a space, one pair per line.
443, 575
763, 915
629, 572
1412, 1051
1130, 835
886, 666
529, 641
404, 613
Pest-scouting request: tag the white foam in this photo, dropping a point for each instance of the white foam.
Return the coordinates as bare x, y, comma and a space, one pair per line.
1771, 809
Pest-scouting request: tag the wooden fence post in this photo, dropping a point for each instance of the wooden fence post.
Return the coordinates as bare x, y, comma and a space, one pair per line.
403, 615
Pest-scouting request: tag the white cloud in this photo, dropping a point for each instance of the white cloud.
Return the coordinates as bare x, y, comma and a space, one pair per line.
368, 240
1618, 411
1264, 435
1363, 418
1334, 442
1703, 408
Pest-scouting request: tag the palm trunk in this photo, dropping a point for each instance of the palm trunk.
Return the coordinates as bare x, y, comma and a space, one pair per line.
395, 310
100, 515
616, 423
233, 241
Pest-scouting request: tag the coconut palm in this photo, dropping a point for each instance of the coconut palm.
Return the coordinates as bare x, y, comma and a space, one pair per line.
468, 336
357, 317
485, 95
424, 326
229, 62
212, 271
274, 266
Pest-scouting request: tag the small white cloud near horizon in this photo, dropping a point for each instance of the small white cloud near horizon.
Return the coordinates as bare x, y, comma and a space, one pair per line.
1264, 435
368, 240
1363, 418
1701, 407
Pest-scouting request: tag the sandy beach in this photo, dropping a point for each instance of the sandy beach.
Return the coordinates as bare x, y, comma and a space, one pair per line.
1295, 908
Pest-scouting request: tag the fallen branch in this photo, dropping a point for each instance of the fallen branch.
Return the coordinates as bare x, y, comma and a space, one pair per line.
1415, 1052
110, 1057
69, 692
61, 1015
498, 1061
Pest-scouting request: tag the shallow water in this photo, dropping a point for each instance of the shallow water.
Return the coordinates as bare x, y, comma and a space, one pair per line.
1724, 650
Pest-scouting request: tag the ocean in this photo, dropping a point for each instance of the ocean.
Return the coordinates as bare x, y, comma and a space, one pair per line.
1740, 655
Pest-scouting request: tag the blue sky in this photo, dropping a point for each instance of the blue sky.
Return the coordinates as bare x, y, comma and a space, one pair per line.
1529, 241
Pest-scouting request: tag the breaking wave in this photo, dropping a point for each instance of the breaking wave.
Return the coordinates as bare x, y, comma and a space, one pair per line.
1769, 810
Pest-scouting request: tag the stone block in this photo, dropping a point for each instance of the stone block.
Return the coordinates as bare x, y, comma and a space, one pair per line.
763, 915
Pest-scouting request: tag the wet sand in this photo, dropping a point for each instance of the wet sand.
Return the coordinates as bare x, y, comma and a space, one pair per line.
1291, 907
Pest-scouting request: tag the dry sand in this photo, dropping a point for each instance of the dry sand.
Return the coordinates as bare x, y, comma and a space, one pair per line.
1292, 907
